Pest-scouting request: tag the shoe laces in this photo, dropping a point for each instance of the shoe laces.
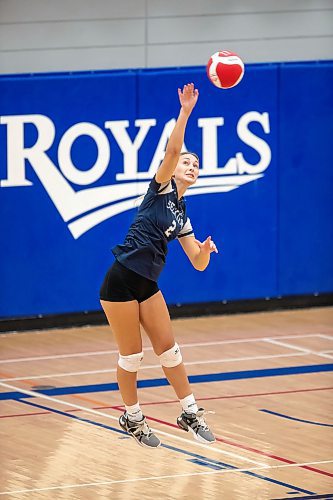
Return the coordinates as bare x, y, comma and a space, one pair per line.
142, 428
201, 419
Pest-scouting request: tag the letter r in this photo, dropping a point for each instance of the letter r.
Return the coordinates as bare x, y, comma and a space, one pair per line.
17, 153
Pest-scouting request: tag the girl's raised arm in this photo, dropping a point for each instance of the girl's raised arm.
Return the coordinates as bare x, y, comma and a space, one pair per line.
188, 98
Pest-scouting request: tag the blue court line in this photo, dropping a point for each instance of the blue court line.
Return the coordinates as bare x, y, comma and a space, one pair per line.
327, 496
198, 459
214, 465
294, 418
74, 417
194, 379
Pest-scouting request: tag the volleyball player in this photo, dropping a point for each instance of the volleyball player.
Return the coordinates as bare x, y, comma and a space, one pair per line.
130, 295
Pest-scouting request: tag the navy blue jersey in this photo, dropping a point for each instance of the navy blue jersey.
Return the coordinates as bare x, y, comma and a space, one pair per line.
160, 219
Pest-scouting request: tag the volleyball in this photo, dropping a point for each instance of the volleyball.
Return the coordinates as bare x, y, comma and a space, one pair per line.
225, 69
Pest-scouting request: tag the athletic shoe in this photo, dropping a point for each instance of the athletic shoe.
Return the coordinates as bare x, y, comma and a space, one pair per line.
195, 423
140, 431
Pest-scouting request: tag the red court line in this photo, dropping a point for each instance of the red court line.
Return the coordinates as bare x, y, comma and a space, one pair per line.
25, 414
243, 395
233, 396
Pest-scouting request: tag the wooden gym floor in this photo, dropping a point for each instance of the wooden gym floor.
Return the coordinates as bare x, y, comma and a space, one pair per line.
267, 377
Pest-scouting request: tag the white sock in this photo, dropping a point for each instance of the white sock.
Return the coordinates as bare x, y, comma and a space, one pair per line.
134, 412
189, 404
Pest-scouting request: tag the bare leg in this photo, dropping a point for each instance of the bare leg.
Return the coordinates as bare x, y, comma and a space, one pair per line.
123, 318
155, 319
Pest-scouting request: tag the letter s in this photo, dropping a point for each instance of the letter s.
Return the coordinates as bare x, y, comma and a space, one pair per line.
253, 141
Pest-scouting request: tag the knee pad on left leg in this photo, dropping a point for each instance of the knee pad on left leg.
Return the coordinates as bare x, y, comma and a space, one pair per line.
172, 357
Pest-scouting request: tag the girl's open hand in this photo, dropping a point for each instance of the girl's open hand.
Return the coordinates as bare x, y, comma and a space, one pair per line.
188, 97
208, 246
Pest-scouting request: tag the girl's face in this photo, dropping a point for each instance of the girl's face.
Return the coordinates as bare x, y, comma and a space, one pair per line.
187, 169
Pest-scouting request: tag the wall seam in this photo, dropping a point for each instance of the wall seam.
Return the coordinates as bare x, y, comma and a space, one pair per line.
157, 44
146, 34
213, 14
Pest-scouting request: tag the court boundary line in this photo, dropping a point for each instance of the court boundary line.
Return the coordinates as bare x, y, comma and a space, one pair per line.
149, 348
325, 336
194, 379
176, 401
169, 476
287, 345
149, 367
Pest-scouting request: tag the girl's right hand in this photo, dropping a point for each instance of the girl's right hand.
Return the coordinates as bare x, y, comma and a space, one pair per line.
188, 97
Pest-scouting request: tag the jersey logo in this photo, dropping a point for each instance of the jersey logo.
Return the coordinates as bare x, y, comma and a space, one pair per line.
170, 229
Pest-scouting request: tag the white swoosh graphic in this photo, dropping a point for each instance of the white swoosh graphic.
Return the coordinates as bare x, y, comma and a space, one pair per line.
203, 185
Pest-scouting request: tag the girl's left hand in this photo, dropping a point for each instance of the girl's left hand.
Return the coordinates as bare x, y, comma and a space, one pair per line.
208, 246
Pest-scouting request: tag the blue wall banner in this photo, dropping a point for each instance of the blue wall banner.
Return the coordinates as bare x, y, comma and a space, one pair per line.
77, 150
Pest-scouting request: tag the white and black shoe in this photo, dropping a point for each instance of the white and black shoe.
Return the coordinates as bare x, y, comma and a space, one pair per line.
140, 431
196, 424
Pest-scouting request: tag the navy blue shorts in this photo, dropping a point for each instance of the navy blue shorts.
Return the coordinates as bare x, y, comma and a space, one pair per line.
122, 285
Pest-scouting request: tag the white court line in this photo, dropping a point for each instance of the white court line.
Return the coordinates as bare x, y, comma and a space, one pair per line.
325, 354
301, 336
170, 476
148, 348
102, 414
149, 367
62, 356
271, 340
328, 337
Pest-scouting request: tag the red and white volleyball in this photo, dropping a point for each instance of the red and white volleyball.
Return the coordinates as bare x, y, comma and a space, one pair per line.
225, 69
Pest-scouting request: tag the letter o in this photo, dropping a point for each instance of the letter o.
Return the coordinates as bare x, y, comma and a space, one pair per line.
70, 171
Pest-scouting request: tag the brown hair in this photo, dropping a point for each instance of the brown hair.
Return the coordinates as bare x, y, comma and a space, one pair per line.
140, 198
189, 153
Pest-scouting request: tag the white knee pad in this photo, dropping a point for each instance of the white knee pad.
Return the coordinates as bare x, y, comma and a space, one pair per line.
130, 363
172, 357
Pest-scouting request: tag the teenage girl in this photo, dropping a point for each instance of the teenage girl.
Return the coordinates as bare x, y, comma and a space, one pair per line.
130, 295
